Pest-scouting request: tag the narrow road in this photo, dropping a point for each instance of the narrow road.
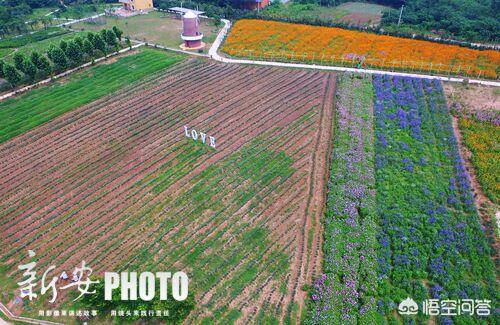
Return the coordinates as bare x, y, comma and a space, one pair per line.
79, 20
213, 53
13, 317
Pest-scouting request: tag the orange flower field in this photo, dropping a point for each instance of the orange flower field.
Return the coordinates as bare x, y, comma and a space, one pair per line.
329, 45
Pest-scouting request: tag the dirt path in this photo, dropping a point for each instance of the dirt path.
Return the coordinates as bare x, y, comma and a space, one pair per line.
308, 258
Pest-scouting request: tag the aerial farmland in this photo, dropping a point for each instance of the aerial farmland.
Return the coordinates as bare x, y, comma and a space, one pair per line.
243, 214
243, 180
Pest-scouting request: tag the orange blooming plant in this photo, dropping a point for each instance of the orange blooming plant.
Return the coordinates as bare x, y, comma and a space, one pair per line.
328, 45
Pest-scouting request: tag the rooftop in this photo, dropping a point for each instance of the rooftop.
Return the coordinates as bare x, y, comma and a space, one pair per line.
180, 10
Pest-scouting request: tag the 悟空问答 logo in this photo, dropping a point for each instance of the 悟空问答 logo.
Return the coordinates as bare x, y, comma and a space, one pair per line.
408, 307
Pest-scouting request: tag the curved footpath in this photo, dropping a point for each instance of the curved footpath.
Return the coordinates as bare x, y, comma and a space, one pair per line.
227, 24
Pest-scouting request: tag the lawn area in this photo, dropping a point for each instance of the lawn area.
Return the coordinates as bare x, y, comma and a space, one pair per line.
25, 112
361, 13
5, 52
350, 12
41, 46
84, 10
39, 13
155, 27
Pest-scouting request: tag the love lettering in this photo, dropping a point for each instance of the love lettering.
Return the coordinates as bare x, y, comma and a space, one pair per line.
195, 135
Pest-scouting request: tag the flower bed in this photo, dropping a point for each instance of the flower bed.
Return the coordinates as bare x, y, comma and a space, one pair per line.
346, 292
330, 45
482, 138
400, 219
432, 244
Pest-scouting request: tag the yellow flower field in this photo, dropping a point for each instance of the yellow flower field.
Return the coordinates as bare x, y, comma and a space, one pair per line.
329, 45
482, 140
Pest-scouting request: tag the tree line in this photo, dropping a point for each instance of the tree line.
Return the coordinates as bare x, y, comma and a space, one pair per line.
14, 14
467, 20
471, 20
67, 54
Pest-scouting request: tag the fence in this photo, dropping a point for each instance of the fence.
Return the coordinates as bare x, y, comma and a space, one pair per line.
349, 60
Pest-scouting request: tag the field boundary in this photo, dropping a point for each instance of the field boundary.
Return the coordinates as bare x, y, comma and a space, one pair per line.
11, 316
74, 21
213, 53
67, 72
158, 46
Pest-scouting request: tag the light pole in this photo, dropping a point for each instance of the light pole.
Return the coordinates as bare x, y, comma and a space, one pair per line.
400, 15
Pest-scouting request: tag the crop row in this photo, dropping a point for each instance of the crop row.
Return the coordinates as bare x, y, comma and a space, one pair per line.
118, 171
345, 292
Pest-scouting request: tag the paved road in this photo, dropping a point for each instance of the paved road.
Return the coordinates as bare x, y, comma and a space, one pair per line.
79, 20
213, 53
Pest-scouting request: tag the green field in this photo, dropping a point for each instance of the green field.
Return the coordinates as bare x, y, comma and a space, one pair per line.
25, 112
155, 27
39, 13
80, 11
358, 13
39, 41
40, 46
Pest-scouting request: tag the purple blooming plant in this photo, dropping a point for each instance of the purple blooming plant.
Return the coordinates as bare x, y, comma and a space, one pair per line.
347, 296
429, 227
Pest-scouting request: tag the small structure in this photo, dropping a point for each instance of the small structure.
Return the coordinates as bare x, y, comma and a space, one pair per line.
182, 11
137, 5
191, 32
254, 4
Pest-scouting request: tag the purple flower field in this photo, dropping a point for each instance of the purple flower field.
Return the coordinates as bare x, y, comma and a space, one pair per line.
401, 220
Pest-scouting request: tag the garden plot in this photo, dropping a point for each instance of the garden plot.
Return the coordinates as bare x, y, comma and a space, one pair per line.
117, 183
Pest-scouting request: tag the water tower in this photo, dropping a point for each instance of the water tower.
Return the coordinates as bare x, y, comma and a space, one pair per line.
191, 31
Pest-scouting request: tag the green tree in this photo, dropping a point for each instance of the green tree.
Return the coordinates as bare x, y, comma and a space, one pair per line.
63, 45
44, 66
103, 32
2, 64
118, 32
59, 58
110, 38
11, 74
88, 48
50, 51
35, 58
29, 69
74, 52
90, 37
99, 44
19, 59
128, 42
78, 40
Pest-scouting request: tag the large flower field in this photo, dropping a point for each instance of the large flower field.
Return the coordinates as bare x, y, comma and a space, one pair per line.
327, 45
401, 220
322, 198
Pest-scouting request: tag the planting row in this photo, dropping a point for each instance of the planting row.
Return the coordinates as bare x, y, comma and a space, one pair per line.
119, 184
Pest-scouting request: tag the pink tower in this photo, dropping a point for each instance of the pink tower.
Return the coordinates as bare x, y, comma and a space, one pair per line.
191, 31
